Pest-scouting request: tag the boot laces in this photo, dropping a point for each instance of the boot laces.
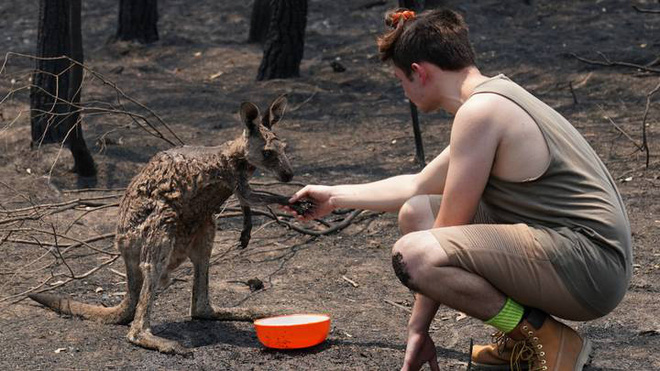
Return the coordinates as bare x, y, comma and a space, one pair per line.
529, 350
499, 339
522, 352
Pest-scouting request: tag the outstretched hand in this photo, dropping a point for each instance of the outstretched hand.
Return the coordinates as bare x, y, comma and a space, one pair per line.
319, 196
420, 350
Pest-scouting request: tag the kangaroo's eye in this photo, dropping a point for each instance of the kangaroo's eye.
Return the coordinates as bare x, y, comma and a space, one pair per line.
268, 153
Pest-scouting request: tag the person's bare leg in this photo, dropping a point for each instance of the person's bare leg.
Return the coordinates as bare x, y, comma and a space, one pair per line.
423, 266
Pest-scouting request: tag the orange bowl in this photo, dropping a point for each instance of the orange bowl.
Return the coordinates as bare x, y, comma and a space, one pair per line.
292, 331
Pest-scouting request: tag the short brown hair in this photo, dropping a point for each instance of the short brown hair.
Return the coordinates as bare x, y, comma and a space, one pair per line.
438, 36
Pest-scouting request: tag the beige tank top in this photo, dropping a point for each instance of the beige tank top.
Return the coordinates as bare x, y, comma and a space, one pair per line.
575, 192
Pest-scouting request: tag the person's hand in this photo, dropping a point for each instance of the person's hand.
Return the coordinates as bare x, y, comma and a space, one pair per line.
319, 195
420, 350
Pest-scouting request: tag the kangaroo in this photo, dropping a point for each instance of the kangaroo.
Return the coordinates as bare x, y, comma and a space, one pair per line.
166, 215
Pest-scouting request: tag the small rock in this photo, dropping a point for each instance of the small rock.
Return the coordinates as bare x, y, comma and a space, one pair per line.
337, 67
255, 284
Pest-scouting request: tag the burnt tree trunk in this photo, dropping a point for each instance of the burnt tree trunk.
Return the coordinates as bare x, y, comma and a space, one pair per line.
259, 21
138, 21
417, 6
285, 43
57, 82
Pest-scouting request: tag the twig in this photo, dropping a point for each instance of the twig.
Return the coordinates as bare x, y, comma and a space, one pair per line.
607, 62
267, 184
645, 144
68, 247
639, 147
570, 86
75, 202
334, 228
118, 273
93, 190
398, 305
293, 109
60, 284
353, 283
641, 10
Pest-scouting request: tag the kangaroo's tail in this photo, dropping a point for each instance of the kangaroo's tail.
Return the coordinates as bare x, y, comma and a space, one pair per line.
119, 314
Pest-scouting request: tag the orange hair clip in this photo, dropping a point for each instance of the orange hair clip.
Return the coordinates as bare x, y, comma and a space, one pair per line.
405, 15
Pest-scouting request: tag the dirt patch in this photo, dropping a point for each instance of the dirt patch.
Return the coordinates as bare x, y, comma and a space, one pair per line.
351, 126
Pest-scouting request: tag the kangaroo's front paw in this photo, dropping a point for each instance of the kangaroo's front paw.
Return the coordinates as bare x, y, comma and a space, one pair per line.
245, 239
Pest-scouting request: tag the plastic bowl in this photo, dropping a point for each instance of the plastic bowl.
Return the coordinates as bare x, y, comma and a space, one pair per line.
293, 331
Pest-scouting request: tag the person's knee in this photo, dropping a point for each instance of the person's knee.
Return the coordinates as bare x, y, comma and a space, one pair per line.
415, 215
407, 261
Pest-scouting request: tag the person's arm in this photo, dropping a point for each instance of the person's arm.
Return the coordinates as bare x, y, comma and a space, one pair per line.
474, 140
383, 195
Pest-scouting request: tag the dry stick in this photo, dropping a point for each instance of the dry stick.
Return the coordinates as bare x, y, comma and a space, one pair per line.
335, 228
645, 144
639, 147
353, 283
610, 63
293, 109
75, 202
87, 212
105, 81
641, 10
95, 110
118, 273
266, 184
398, 305
70, 246
60, 284
36, 216
93, 190
118, 91
57, 248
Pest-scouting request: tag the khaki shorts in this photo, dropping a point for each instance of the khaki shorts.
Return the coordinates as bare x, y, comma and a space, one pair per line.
562, 274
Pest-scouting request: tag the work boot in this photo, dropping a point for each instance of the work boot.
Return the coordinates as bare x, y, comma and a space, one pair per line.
499, 354
548, 345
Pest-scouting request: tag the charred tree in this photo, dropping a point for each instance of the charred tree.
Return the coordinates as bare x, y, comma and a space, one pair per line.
259, 21
57, 82
416, 5
285, 42
138, 21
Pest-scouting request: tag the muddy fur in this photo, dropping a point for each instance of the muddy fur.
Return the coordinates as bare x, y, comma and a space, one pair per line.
166, 216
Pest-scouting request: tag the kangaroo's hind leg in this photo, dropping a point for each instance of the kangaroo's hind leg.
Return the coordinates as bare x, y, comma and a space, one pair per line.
127, 244
200, 254
201, 308
157, 244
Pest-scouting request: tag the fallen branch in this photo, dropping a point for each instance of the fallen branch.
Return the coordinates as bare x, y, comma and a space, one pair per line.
617, 127
645, 143
398, 305
608, 63
23, 295
642, 10
353, 283
337, 227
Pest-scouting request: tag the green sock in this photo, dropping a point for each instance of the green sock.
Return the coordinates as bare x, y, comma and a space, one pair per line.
508, 317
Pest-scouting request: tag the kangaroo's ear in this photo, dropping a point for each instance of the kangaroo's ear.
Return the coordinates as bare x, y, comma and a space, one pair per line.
276, 110
249, 115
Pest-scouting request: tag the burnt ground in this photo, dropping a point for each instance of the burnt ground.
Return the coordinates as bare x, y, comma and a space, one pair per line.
344, 127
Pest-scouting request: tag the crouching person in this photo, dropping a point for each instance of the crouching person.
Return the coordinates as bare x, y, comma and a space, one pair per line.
517, 222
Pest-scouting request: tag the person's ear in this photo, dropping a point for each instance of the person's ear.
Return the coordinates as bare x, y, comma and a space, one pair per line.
421, 72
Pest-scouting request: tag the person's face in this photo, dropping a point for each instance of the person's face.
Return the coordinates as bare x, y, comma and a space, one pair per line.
412, 86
